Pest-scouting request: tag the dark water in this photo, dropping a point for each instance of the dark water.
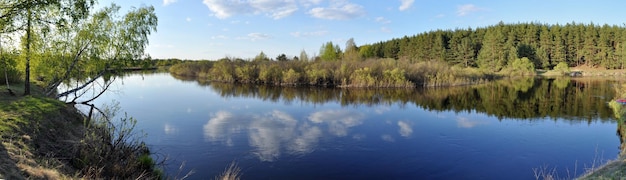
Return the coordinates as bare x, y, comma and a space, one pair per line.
501, 130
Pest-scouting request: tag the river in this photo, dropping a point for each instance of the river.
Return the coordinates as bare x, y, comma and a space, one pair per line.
499, 130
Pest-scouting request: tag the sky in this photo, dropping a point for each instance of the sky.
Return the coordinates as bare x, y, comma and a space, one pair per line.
214, 29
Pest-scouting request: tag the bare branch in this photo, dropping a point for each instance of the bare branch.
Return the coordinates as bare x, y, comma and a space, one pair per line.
84, 85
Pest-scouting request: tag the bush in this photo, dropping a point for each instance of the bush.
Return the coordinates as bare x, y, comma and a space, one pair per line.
9, 68
562, 68
291, 77
521, 67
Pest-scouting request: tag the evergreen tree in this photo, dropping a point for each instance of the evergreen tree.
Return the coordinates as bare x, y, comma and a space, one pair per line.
491, 54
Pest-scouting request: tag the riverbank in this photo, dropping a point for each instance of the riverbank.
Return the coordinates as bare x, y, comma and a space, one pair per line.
615, 169
43, 138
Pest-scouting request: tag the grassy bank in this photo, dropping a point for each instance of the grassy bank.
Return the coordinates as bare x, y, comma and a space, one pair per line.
43, 138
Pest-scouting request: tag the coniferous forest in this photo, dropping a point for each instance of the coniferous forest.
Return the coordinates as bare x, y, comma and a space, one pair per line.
494, 46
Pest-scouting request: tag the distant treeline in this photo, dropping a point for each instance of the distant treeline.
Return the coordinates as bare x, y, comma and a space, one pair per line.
495, 46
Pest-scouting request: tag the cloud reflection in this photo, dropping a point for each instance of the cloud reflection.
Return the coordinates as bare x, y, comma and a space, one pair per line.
221, 127
268, 134
339, 121
169, 129
387, 137
405, 129
464, 122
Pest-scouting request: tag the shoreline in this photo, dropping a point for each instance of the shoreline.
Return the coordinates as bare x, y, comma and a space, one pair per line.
44, 138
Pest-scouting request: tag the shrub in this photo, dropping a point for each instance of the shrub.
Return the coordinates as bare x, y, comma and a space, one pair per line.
521, 67
562, 68
291, 77
9, 68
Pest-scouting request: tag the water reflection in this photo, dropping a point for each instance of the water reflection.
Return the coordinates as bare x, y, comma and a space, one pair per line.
338, 121
443, 133
269, 133
405, 128
526, 98
464, 122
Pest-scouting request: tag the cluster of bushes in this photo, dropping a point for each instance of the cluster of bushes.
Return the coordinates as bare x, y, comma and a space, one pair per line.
380, 73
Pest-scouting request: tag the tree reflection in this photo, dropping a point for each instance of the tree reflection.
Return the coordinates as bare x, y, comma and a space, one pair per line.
520, 98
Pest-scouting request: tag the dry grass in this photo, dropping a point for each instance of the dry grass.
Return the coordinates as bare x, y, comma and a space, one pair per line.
43, 138
232, 172
31, 145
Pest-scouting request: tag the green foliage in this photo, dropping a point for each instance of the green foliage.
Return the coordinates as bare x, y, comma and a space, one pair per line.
270, 74
395, 78
562, 82
562, 68
362, 77
490, 48
111, 149
291, 77
261, 57
330, 52
317, 74
521, 66
247, 73
222, 71
371, 73
281, 57
304, 56
9, 68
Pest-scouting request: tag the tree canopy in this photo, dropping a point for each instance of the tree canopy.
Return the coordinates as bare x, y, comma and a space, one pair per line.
493, 47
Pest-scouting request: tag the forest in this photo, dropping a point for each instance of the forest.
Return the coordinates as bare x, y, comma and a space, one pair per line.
495, 46
435, 58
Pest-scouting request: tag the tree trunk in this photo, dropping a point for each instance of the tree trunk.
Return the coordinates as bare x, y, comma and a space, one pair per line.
27, 71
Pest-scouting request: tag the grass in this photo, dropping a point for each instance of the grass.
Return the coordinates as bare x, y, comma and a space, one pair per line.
31, 145
232, 172
43, 138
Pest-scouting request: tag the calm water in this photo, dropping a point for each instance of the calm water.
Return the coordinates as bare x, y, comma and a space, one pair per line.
499, 130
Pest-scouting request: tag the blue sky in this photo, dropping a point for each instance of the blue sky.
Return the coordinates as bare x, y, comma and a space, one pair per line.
213, 29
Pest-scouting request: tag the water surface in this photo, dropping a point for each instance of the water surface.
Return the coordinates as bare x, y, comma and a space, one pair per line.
500, 130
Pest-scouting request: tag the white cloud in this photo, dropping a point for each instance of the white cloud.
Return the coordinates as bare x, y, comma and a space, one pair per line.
309, 3
168, 2
276, 9
338, 11
225, 8
385, 29
188, 19
405, 129
466, 9
406, 4
309, 34
257, 36
339, 121
382, 20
